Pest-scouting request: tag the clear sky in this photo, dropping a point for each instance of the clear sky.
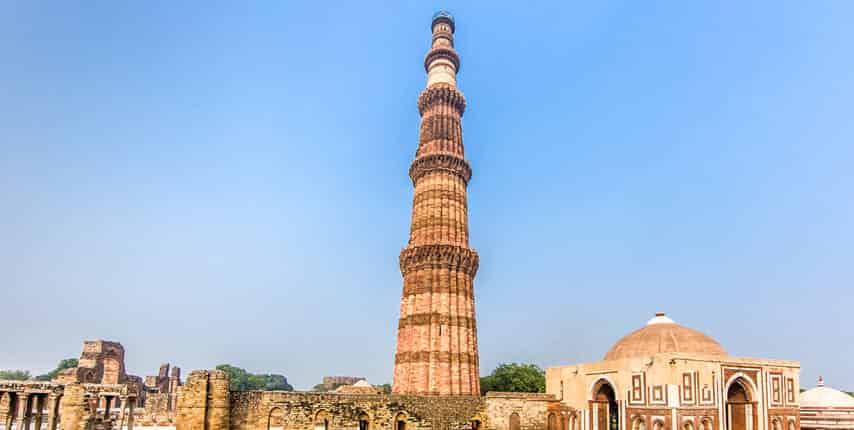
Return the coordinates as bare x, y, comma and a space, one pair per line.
221, 182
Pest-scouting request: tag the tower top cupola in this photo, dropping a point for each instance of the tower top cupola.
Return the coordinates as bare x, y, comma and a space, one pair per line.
443, 15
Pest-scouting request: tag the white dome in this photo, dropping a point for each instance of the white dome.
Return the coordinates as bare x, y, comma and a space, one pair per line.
825, 397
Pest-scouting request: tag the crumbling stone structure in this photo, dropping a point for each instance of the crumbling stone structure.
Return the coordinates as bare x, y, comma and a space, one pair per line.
206, 403
73, 406
101, 362
161, 396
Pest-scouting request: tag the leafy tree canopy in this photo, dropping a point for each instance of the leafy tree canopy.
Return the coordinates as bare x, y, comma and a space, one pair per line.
241, 380
514, 377
15, 375
68, 363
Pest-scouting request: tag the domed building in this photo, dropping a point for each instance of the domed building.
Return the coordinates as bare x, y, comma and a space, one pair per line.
823, 408
665, 376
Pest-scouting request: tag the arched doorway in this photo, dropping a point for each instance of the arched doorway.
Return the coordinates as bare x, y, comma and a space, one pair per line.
400, 422
321, 421
276, 419
515, 421
364, 421
739, 406
605, 411
552, 422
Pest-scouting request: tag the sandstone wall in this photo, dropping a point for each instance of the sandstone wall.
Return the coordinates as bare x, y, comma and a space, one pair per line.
332, 411
205, 403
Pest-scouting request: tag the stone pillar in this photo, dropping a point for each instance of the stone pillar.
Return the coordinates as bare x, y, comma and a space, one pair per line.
52, 410
219, 402
204, 402
10, 411
39, 400
75, 410
121, 400
23, 411
192, 403
131, 401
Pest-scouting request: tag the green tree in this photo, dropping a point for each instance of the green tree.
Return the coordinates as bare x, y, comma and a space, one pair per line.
68, 363
15, 375
241, 380
514, 377
386, 388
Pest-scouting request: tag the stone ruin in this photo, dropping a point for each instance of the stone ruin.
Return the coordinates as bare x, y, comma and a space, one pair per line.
205, 402
161, 396
100, 395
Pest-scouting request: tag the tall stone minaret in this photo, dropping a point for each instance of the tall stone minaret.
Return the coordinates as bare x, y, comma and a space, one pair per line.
437, 333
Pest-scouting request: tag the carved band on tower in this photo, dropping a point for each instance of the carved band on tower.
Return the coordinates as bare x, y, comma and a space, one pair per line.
437, 333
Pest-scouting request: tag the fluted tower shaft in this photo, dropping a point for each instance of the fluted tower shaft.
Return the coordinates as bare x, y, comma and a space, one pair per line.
437, 333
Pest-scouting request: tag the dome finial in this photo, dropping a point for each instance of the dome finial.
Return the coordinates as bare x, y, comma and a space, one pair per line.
820, 381
660, 318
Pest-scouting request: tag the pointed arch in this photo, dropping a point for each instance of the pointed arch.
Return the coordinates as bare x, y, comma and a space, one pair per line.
276, 418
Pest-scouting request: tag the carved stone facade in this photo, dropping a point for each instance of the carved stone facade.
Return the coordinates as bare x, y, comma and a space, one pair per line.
437, 332
665, 377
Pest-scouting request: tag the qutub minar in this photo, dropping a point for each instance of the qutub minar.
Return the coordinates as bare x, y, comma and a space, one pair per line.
662, 376
437, 333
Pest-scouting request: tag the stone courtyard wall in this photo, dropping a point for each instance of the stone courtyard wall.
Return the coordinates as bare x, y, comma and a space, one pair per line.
533, 411
206, 403
307, 411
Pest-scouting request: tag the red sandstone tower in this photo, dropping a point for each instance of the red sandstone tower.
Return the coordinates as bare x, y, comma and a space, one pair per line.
437, 333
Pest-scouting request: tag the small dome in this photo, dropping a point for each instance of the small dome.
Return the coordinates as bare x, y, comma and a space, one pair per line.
443, 15
825, 397
661, 334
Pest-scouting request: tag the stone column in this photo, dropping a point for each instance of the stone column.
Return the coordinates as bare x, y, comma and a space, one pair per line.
10, 411
75, 410
23, 412
192, 403
218, 416
52, 410
122, 400
130, 402
38, 399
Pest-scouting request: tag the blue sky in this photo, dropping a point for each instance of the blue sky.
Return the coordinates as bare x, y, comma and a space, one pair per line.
219, 182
